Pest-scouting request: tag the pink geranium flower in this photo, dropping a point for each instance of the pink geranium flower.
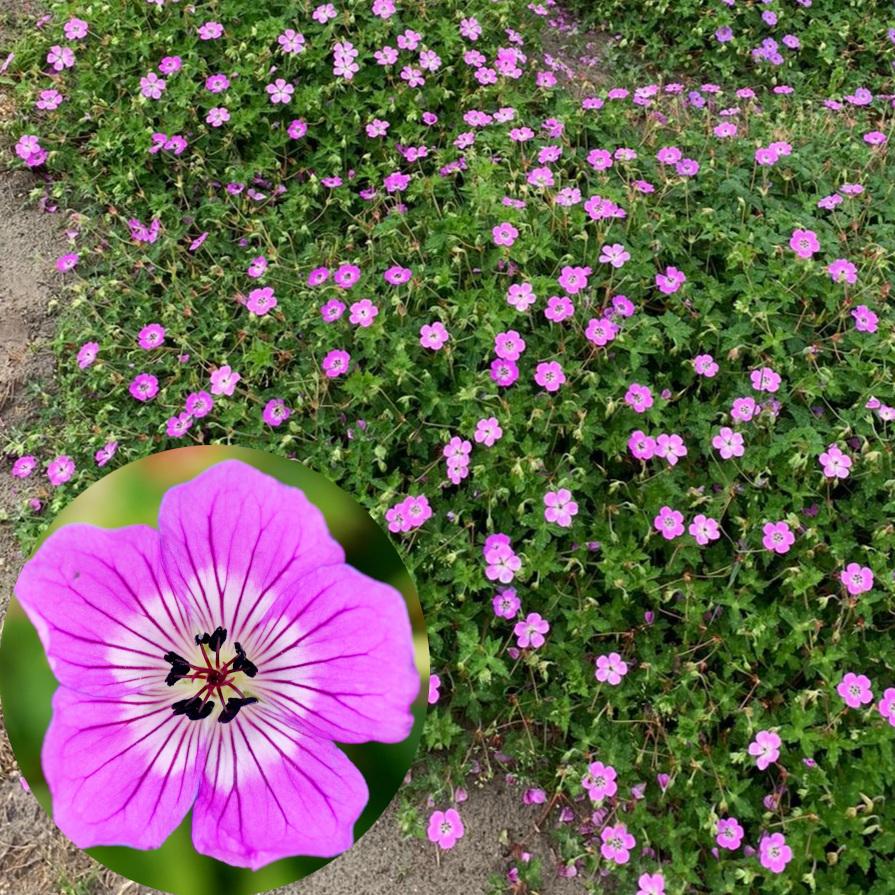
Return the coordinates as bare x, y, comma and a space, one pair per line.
506, 604
24, 466
639, 397
530, 632
559, 507
487, 431
599, 781
855, 690
836, 464
886, 706
610, 669
669, 282
866, 321
224, 380
59, 471
857, 579
509, 345
651, 884
777, 537
704, 529
433, 335
171, 653
502, 563
336, 363
804, 243
729, 833
765, 748
641, 445
144, 387
549, 375
617, 843
504, 234
275, 412
774, 853
669, 523
445, 828
434, 687
87, 354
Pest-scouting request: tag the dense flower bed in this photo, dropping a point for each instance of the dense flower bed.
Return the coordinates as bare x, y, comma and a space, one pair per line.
827, 44
614, 371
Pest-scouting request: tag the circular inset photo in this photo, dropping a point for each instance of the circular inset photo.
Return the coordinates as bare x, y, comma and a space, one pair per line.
212, 671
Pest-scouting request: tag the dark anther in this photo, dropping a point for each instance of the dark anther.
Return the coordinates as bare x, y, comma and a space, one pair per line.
215, 640
175, 657
234, 704
193, 708
241, 663
179, 670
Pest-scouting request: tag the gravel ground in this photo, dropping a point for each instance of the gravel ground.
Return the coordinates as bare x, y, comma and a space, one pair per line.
35, 859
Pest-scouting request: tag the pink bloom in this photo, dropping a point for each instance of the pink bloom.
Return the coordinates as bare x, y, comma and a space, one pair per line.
600, 331
105, 453
445, 828
345, 277
521, 296
199, 404
487, 431
60, 58
504, 234
559, 308
639, 397
151, 336
559, 507
641, 445
886, 706
651, 884
574, 279
804, 243
144, 387
336, 363
67, 262
87, 354
223, 381
778, 537
178, 426
704, 365
765, 380
669, 522
743, 409
615, 254
433, 335
774, 853
855, 690
704, 529
599, 781
509, 345
729, 833
531, 631
363, 313
275, 412
506, 604
59, 471
549, 375
504, 372
610, 669
765, 748
836, 464
842, 270
670, 448
857, 579
280, 91
617, 843
669, 282
261, 301
434, 685
24, 466
501, 563
866, 321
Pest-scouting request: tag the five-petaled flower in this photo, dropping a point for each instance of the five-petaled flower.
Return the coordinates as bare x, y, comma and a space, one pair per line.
211, 665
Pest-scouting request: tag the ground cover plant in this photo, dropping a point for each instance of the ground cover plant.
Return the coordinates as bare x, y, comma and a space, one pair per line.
824, 44
614, 370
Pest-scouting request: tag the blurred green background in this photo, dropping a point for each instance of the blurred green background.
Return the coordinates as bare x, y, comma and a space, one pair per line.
132, 495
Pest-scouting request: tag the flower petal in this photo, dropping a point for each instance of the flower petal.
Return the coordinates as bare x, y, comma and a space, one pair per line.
121, 772
337, 654
234, 538
103, 609
270, 792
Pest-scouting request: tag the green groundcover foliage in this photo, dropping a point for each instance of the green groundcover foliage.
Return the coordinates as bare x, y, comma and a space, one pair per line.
614, 368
